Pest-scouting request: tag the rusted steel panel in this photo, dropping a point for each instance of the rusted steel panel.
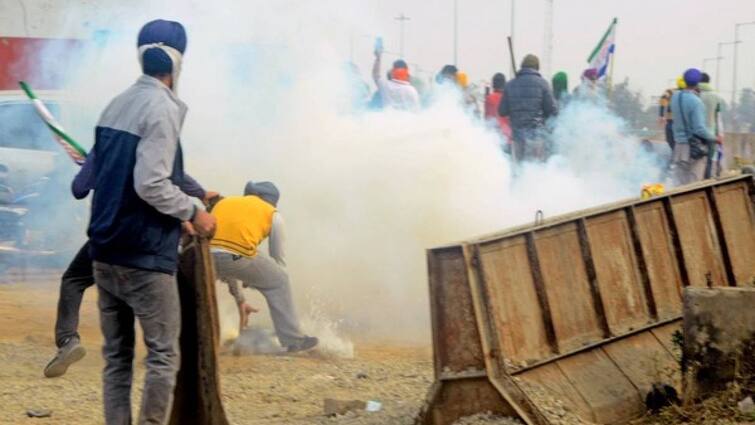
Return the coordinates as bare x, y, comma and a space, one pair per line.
662, 266
644, 360
548, 382
738, 223
575, 320
616, 269
518, 318
452, 400
699, 242
455, 334
506, 387
197, 396
642, 267
610, 395
665, 335
582, 308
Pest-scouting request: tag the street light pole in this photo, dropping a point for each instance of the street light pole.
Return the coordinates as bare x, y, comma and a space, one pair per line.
402, 19
718, 61
513, 11
456, 32
736, 51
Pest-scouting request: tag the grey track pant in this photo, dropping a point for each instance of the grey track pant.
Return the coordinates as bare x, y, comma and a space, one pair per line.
272, 281
152, 297
684, 169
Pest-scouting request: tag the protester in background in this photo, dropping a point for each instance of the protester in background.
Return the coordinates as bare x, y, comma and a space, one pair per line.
560, 82
79, 276
397, 91
528, 103
447, 74
665, 118
691, 135
588, 88
468, 94
137, 214
244, 222
492, 117
713, 107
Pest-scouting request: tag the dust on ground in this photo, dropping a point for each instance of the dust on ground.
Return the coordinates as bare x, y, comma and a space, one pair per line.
256, 389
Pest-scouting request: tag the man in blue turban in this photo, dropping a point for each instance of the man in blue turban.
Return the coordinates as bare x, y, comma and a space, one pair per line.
137, 212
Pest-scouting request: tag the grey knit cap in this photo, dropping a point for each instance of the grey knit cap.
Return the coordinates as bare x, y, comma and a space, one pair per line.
265, 190
531, 61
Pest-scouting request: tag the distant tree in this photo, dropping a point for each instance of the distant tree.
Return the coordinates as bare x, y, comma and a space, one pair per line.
628, 104
744, 111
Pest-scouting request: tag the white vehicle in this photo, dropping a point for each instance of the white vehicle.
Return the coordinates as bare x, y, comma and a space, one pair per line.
27, 150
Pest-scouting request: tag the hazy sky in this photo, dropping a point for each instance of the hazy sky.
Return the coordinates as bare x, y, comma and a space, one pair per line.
656, 39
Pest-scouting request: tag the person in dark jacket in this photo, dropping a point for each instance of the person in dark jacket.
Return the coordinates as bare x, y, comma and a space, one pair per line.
137, 213
79, 276
528, 103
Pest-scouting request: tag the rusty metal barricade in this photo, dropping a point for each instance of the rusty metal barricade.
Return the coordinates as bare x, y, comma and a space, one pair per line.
580, 308
197, 394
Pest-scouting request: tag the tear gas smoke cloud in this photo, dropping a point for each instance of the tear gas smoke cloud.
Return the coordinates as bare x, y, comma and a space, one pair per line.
363, 194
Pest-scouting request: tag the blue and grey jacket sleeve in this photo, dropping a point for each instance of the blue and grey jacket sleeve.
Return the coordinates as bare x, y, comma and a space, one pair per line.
192, 187
83, 183
155, 155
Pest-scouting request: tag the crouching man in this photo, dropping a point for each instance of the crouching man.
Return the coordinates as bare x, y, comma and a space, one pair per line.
243, 223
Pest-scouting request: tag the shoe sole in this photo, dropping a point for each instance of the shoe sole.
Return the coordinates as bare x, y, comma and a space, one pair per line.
305, 350
59, 368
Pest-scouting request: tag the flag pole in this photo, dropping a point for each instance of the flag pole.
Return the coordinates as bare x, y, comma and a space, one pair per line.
72, 148
613, 59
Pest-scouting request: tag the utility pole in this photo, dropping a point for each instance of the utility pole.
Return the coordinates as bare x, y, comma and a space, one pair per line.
548, 48
718, 61
736, 51
511, 38
402, 19
456, 32
513, 12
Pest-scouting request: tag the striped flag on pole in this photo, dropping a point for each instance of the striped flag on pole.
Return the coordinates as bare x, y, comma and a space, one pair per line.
603, 53
73, 149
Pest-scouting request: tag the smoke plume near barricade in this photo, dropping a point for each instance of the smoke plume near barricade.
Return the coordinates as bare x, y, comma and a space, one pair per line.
363, 193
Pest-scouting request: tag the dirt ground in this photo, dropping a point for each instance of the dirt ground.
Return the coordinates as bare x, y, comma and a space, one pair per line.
257, 389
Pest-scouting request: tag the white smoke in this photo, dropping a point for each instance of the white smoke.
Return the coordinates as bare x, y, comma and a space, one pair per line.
363, 194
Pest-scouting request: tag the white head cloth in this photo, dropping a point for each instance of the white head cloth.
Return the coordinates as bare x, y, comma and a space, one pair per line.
175, 56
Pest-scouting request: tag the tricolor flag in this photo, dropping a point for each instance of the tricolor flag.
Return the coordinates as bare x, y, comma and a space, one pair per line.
603, 53
73, 149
